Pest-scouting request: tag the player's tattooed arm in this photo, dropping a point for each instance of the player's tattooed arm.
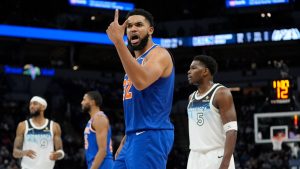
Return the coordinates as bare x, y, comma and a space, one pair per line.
57, 137
18, 143
58, 154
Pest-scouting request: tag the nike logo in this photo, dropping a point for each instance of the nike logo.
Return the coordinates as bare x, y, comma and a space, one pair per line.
138, 133
220, 156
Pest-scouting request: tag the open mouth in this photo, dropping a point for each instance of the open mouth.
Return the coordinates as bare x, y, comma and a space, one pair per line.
134, 39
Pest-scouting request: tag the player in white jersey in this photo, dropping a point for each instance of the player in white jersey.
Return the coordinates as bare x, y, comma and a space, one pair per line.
38, 140
212, 118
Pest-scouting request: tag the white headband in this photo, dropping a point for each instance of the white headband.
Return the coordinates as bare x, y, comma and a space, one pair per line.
39, 100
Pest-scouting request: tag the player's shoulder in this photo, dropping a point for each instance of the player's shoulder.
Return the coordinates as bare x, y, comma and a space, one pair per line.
100, 117
21, 126
160, 48
55, 124
56, 127
163, 52
22, 123
100, 121
223, 91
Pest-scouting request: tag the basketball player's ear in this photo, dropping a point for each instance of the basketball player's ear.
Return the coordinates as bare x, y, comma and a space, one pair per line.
94, 102
43, 107
150, 30
206, 71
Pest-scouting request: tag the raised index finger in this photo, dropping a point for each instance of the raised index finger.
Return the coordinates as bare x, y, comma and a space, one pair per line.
116, 16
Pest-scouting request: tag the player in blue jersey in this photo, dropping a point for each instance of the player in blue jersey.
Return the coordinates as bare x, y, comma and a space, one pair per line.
148, 93
97, 134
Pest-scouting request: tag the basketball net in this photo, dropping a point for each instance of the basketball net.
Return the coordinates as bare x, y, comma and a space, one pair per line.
277, 141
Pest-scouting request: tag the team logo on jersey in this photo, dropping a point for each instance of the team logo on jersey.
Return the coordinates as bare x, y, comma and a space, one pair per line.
206, 99
44, 143
46, 129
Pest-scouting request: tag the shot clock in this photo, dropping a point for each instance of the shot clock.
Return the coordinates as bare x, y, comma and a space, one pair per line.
281, 91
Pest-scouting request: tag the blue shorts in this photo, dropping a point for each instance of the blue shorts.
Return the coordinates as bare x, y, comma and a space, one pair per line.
107, 163
145, 149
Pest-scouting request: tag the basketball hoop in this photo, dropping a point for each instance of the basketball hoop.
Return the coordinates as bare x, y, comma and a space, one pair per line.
277, 141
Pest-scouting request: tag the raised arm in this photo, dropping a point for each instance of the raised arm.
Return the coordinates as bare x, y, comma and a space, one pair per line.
159, 63
224, 102
101, 126
58, 154
18, 143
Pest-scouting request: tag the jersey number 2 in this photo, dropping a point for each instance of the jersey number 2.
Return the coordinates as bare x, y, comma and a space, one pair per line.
127, 86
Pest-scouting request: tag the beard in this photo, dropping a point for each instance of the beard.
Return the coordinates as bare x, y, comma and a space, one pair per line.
140, 46
86, 109
35, 113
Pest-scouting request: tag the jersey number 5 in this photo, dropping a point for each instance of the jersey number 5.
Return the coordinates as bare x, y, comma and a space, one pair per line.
200, 119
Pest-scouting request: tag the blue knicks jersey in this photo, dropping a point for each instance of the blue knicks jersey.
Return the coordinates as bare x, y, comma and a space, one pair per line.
90, 141
148, 109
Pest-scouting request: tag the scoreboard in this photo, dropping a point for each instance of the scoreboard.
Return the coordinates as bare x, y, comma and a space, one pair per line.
281, 91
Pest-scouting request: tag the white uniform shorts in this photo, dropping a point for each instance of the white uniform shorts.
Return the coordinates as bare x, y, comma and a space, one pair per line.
209, 160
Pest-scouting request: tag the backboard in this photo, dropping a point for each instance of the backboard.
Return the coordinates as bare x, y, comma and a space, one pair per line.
268, 125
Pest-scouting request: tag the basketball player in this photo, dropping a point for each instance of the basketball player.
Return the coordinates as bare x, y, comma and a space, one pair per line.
148, 93
97, 134
38, 139
212, 118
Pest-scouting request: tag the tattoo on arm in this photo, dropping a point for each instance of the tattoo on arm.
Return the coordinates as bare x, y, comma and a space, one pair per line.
18, 143
57, 137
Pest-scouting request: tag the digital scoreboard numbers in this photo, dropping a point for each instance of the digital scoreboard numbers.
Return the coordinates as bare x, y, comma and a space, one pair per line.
281, 91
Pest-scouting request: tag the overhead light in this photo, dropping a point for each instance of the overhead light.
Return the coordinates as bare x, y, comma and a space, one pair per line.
75, 67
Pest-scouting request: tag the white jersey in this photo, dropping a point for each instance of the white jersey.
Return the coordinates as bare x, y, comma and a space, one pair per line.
206, 131
40, 140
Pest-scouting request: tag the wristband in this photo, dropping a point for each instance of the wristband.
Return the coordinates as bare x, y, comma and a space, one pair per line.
230, 126
62, 154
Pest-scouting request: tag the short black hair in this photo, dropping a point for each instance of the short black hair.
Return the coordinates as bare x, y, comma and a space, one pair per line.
144, 13
95, 95
209, 62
